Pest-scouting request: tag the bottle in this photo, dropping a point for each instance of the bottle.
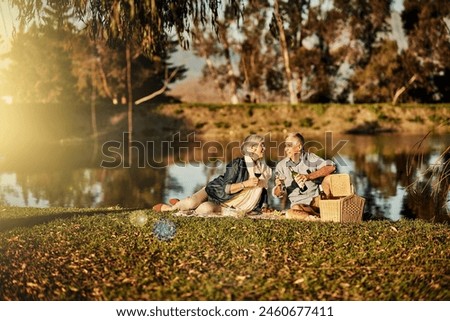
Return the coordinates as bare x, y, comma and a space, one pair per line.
302, 185
293, 172
322, 194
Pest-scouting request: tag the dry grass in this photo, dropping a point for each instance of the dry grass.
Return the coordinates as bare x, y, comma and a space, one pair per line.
107, 255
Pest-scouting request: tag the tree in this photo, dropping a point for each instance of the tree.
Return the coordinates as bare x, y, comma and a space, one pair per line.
324, 38
378, 80
262, 74
152, 77
317, 41
254, 56
237, 58
428, 30
365, 20
41, 64
40, 68
278, 21
363, 23
318, 58
101, 71
218, 49
144, 23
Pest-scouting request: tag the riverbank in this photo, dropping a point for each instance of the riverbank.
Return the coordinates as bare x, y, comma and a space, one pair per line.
30, 124
213, 121
111, 254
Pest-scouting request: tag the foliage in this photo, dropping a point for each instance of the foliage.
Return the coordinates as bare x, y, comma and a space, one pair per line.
70, 64
336, 49
323, 43
428, 30
98, 254
217, 48
146, 24
379, 80
40, 68
253, 58
366, 20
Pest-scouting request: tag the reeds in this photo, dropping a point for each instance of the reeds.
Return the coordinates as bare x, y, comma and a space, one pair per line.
429, 192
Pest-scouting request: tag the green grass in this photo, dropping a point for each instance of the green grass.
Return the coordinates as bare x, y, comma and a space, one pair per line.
98, 254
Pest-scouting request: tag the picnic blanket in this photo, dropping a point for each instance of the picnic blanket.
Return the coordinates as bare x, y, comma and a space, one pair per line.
229, 212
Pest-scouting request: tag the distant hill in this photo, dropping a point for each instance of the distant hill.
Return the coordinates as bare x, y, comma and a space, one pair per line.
194, 90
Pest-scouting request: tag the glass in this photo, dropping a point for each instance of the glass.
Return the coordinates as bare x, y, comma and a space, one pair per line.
281, 177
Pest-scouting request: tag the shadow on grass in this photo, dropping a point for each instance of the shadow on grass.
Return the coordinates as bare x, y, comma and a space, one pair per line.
11, 223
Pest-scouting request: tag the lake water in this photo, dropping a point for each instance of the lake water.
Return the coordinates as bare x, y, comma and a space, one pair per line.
74, 174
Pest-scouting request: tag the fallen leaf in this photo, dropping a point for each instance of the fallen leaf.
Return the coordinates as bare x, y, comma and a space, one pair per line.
298, 281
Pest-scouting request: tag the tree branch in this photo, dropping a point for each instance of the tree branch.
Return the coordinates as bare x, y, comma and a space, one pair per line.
403, 89
159, 91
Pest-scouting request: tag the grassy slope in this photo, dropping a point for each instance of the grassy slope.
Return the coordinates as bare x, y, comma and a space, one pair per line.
67, 254
228, 121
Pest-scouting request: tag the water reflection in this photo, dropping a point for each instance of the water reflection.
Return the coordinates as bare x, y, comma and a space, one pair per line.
70, 176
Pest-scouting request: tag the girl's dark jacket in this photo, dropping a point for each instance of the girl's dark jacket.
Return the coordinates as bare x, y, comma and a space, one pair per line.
236, 172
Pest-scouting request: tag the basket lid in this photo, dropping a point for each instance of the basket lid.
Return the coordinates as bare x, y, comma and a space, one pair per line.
340, 185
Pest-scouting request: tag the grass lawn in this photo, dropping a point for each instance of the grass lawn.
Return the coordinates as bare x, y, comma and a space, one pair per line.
107, 254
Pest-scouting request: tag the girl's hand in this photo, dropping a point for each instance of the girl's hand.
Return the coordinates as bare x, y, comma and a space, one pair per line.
261, 183
251, 182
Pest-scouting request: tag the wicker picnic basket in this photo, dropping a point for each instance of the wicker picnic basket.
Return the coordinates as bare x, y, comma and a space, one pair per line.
345, 205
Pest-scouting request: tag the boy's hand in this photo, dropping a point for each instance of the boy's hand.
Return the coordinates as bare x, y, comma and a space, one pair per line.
279, 192
300, 179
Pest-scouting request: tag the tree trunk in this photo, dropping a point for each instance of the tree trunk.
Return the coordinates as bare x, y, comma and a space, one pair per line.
287, 65
93, 111
230, 72
213, 72
104, 80
93, 99
233, 87
130, 102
